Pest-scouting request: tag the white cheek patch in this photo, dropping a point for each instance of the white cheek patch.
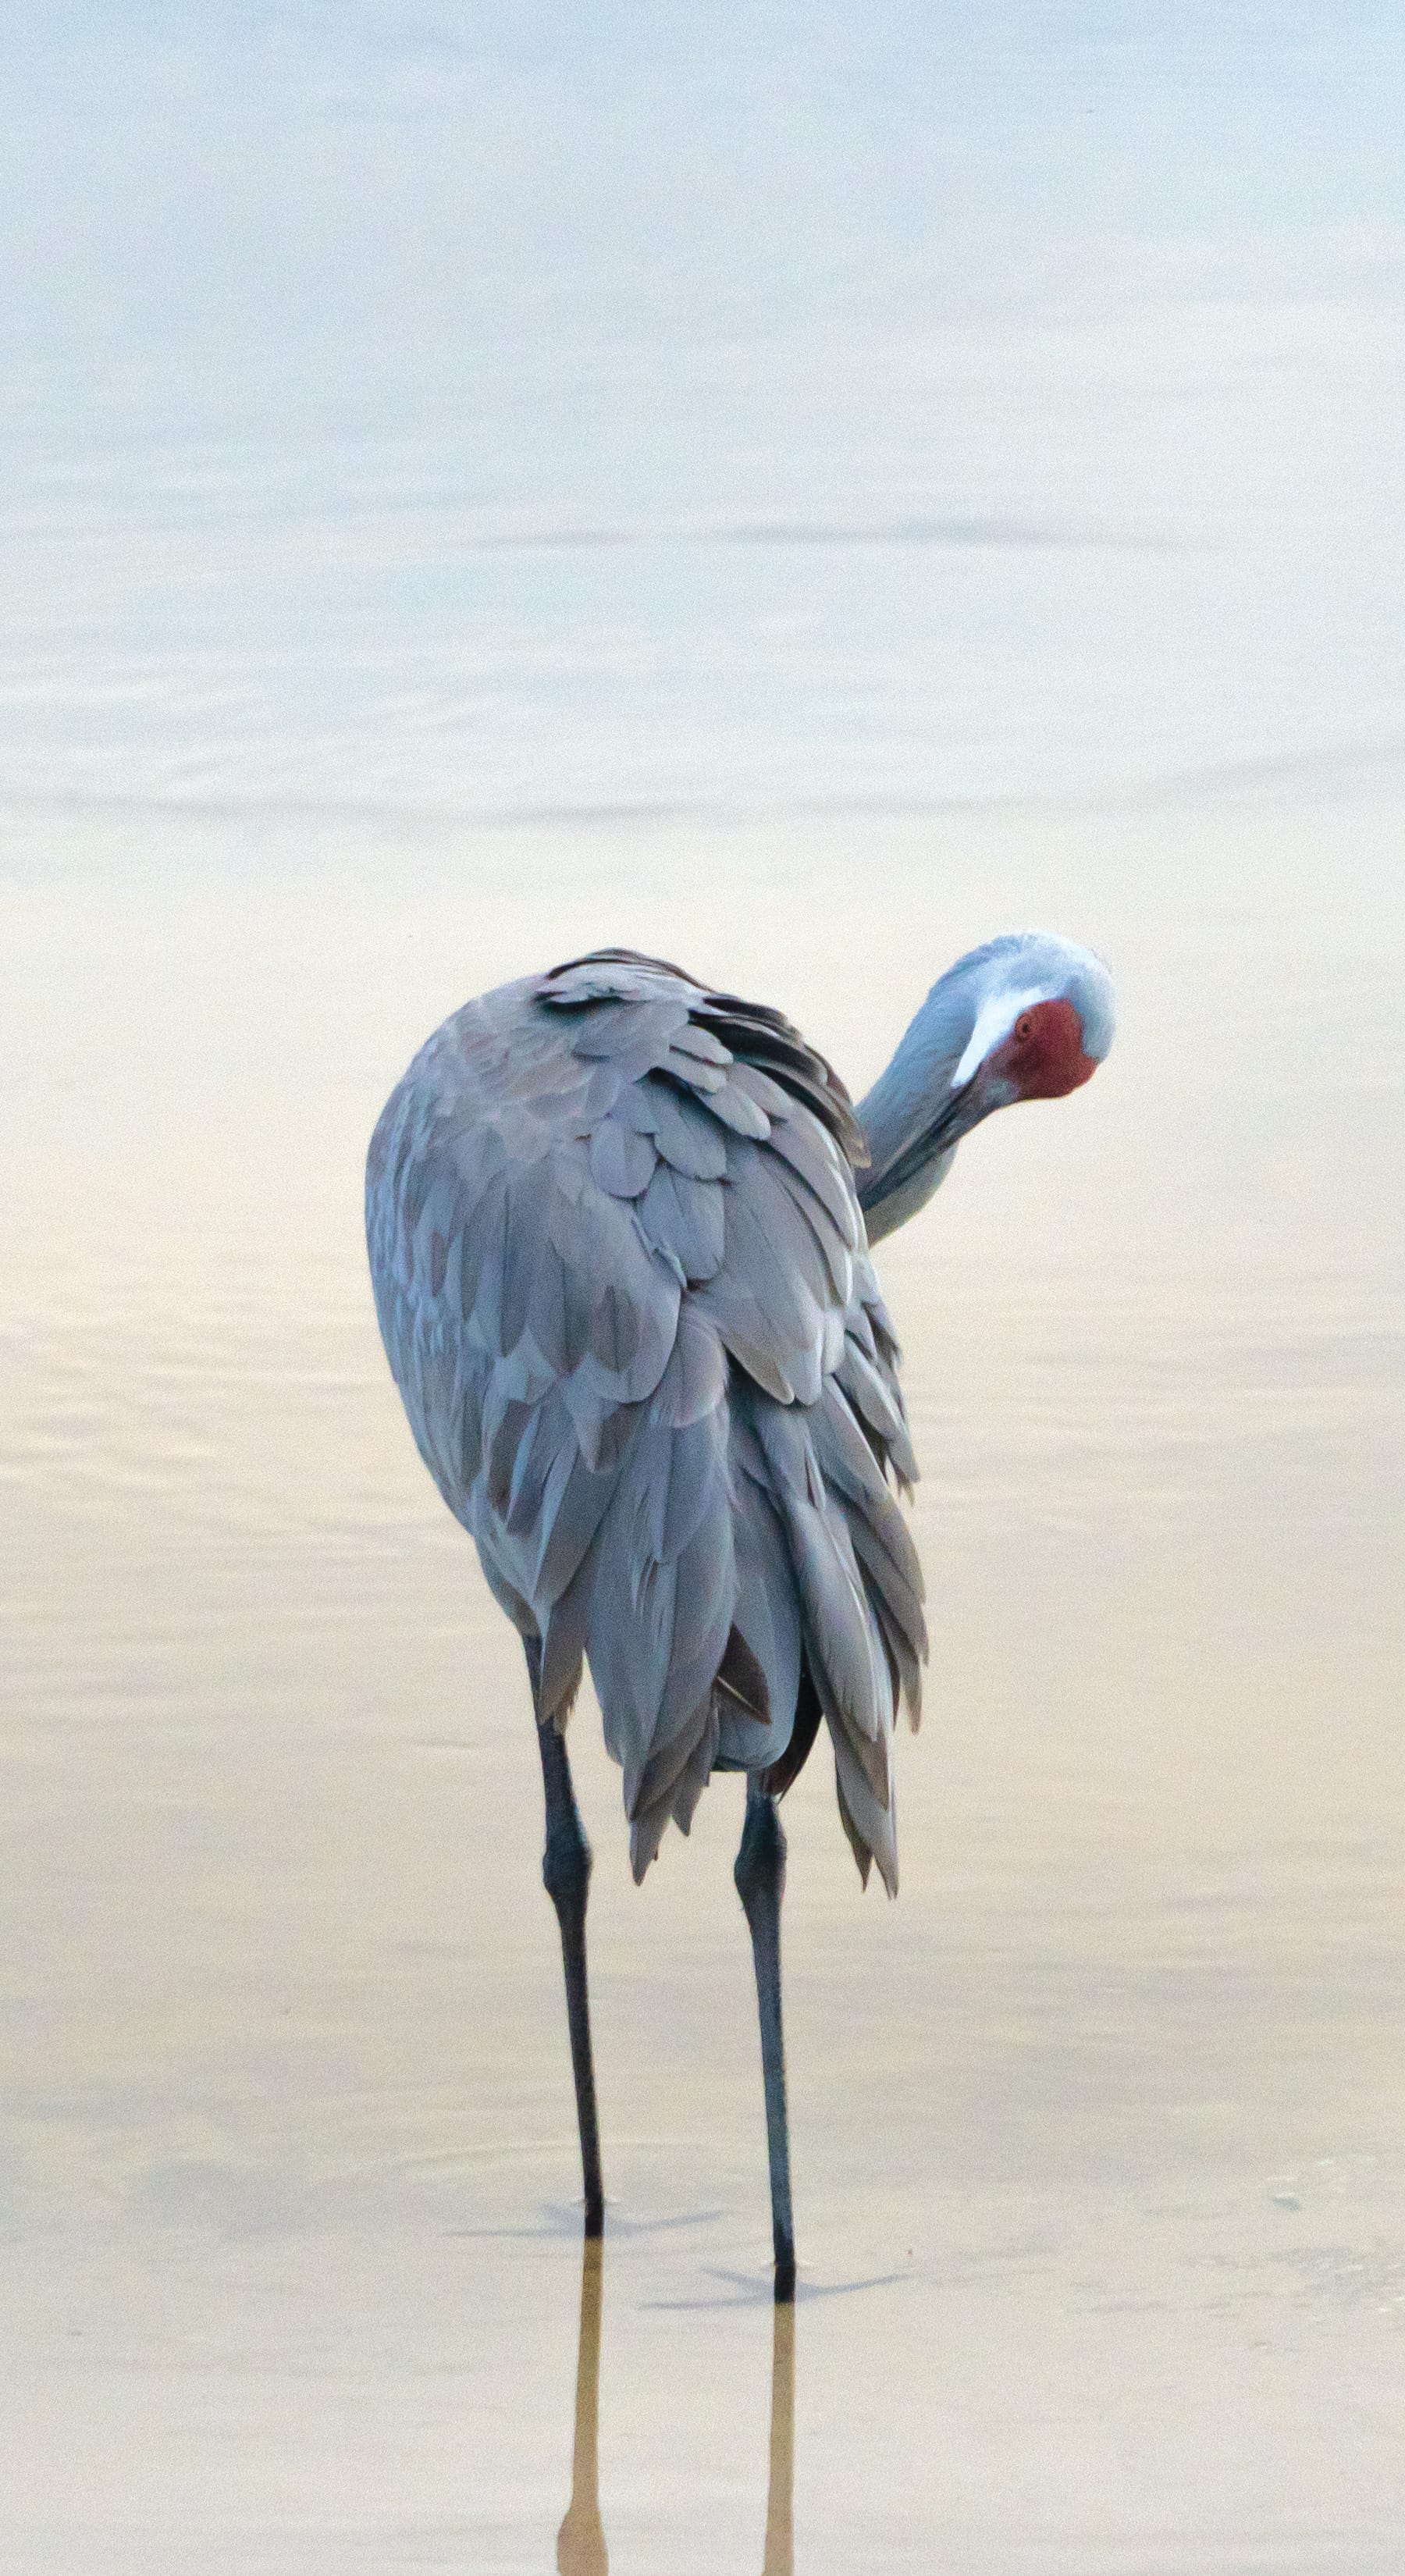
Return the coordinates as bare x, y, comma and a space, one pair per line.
994, 1021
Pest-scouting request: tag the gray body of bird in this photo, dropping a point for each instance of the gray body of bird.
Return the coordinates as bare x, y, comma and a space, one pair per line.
617, 1234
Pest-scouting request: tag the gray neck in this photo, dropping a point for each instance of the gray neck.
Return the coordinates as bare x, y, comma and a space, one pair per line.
905, 1102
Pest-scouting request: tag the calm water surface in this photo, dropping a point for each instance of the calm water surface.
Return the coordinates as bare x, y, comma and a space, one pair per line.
1097, 2130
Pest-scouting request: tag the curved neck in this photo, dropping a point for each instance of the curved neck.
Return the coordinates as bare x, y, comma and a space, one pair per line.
913, 1119
885, 1208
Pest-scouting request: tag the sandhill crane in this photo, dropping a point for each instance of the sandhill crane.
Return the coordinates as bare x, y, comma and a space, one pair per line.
619, 1228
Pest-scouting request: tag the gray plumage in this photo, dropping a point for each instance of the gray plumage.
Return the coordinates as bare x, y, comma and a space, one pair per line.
622, 1279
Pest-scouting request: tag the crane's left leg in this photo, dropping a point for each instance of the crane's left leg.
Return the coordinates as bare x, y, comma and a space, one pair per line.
760, 1877
566, 1878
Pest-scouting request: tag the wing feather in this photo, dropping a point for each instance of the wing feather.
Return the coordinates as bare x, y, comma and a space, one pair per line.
622, 1160
684, 1217
686, 1137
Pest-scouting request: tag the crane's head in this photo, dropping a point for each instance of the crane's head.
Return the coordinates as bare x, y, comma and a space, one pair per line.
1027, 1017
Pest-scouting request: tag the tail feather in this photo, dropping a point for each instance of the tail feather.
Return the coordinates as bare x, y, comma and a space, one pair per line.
843, 1634
671, 1786
871, 1828
880, 1539
766, 1616
838, 1628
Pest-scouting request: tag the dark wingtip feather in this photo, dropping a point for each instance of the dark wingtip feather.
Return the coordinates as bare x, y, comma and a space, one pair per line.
621, 957
740, 1676
783, 1773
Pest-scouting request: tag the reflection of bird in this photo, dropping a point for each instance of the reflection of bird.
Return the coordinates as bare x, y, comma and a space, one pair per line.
780, 2485
580, 2542
619, 1241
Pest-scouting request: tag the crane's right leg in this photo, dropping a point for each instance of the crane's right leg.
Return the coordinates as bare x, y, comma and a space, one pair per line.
760, 1878
566, 1877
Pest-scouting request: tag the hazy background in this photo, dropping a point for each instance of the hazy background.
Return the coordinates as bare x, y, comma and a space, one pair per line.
800, 490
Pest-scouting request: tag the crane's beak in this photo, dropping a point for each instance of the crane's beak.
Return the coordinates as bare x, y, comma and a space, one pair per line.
963, 1109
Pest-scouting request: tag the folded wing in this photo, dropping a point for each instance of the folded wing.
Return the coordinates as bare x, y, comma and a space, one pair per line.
621, 1277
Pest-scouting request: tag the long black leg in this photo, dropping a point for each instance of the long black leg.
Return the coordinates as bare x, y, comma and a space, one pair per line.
760, 1877
566, 1877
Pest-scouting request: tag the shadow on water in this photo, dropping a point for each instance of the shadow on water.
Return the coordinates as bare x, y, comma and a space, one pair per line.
746, 2291
580, 2542
564, 2219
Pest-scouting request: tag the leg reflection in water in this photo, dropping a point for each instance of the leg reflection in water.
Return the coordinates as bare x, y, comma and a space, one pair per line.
780, 2535
580, 2542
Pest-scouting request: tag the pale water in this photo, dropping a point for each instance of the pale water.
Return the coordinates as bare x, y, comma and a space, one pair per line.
823, 655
